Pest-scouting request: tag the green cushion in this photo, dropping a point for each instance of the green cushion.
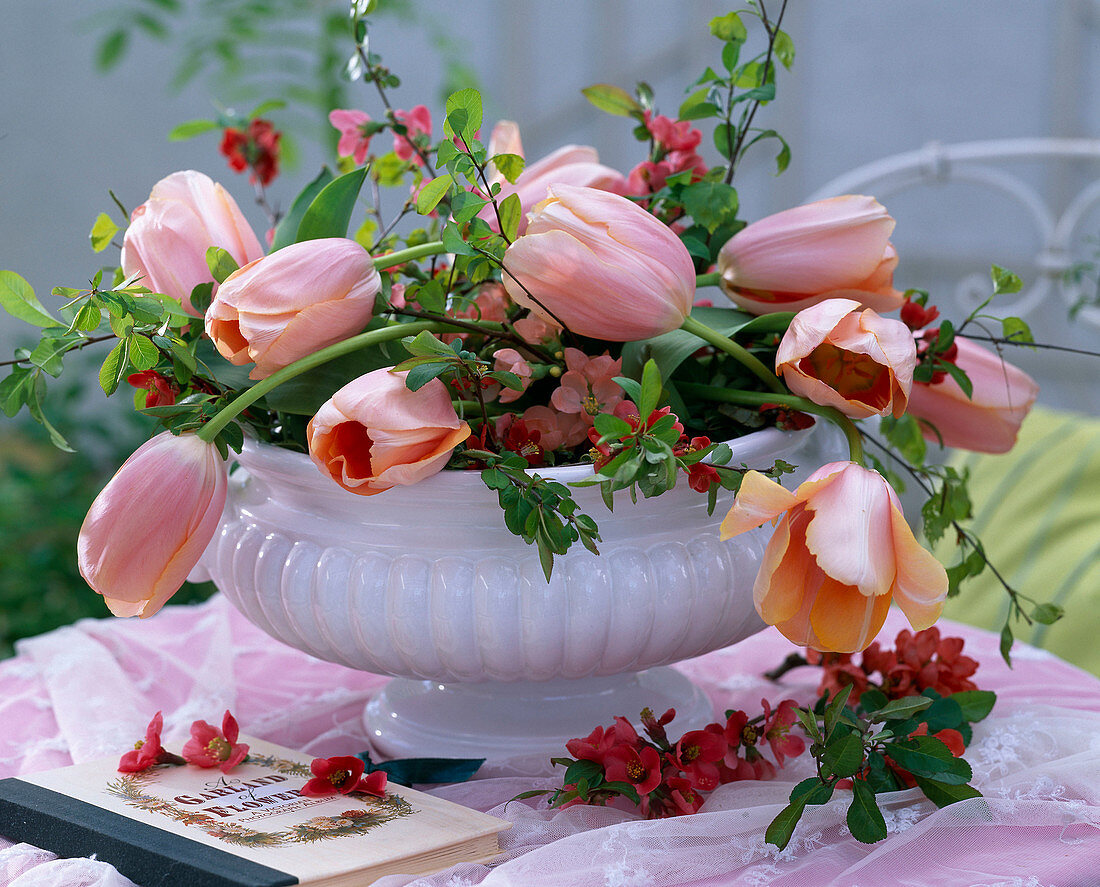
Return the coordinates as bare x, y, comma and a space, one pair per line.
1037, 511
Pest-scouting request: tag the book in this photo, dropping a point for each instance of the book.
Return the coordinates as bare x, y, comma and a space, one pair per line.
185, 826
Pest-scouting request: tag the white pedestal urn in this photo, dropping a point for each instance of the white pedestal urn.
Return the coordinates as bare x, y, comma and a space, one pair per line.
425, 583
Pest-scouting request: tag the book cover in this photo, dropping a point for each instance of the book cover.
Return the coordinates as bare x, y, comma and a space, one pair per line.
185, 826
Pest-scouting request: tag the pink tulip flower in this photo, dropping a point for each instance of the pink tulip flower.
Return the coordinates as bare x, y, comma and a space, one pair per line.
374, 433
569, 165
600, 265
150, 525
988, 421
839, 554
796, 258
838, 356
169, 234
287, 305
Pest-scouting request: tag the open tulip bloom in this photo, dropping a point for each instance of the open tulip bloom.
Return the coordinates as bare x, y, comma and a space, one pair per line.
539, 314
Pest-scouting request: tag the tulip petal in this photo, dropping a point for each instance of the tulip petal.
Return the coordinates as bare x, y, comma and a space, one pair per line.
780, 582
851, 534
921, 585
843, 619
758, 501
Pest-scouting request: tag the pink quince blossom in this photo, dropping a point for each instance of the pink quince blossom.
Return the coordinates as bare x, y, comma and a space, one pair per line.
588, 386
354, 142
417, 122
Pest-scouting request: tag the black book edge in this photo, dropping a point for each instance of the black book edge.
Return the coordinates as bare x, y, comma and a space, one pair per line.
149, 856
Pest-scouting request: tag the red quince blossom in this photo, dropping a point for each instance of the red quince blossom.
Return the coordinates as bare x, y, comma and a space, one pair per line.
916, 316
695, 753
211, 747
417, 122
148, 751
642, 769
516, 437
777, 727
160, 391
342, 775
256, 147
840, 672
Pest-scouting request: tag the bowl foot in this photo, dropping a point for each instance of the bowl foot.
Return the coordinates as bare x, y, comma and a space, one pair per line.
497, 721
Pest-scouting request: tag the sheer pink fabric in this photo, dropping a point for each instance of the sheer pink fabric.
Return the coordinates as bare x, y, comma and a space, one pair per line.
87, 691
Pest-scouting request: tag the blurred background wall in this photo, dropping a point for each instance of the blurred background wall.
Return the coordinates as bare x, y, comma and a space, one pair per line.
89, 93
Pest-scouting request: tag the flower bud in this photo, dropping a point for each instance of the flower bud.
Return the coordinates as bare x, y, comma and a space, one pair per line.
169, 234
838, 356
841, 551
988, 420
796, 258
374, 433
601, 265
150, 525
287, 305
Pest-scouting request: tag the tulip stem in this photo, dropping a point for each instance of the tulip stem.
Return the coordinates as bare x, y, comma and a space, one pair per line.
741, 354
763, 398
245, 399
400, 257
707, 279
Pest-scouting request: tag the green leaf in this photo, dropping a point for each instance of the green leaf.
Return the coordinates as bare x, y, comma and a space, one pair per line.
975, 704
943, 714
453, 241
651, 389
47, 355
509, 165
1016, 329
711, 204
1006, 643
1047, 614
671, 349
725, 139
928, 756
467, 101
784, 49
111, 49
731, 54
1005, 281
729, 27
18, 299
426, 344
612, 99
905, 435
110, 374
781, 829
34, 405
329, 215
611, 426
102, 232
899, 709
835, 708
865, 820
220, 263
631, 386
144, 355
960, 377
421, 375
844, 755
432, 193
697, 106
465, 205
942, 793
287, 229
266, 106
15, 389
189, 129
510, 212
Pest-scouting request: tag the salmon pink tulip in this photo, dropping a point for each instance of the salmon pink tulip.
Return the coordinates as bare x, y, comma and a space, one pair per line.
831, 248
374, 433
287, 305
568, 165
169, 234
986, 422
838, 356
150, 525
600, 265
841, 551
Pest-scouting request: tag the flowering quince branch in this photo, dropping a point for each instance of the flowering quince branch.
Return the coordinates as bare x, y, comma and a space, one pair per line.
908, 730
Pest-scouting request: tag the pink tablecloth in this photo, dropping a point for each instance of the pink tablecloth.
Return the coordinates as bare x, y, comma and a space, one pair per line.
86, 691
